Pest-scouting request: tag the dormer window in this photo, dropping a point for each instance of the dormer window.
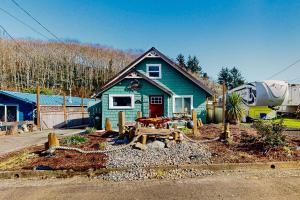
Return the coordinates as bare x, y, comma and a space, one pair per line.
154, 71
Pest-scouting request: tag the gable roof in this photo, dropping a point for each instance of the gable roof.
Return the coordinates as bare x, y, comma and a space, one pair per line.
141, 75
153, 52
46, 99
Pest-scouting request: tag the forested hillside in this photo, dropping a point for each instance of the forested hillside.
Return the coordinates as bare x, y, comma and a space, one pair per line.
59, 67
63, 67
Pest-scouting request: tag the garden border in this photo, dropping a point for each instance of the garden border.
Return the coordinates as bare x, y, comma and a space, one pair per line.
43, 174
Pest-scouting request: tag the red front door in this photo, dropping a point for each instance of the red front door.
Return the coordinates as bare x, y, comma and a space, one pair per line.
156, 105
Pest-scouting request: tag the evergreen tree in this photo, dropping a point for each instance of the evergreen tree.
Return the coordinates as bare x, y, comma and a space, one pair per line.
181, 61
237, 78
193, 64
232, 77
225, 75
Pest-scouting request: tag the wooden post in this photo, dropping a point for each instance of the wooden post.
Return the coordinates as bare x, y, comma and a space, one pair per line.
223, 103
144, 139
107, 125
38, 107
139, 114
65, 110
121, 122
226, 134
214, 108
82, 110
194, 118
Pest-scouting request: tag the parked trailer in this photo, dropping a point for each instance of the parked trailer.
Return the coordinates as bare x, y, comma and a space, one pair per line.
291, 103
261, 95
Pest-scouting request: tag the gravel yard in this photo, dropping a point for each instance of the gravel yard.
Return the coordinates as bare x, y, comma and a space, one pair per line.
144, 174
175, 154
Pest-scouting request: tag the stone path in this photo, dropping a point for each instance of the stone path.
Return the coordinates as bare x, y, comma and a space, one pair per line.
16, 142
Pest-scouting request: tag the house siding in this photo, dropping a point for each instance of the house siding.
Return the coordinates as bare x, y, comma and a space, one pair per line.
141, 95
178, 84
24, 109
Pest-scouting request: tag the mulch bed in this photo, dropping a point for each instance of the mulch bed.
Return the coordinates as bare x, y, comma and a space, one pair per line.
65, 160
237, 152
241, 152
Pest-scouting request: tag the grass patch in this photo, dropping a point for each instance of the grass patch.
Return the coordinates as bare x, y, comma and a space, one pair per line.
74, 140
289, 123
186, 131
15, 161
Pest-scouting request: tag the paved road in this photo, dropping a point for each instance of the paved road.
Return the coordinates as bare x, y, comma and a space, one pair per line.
16, 142
233, 185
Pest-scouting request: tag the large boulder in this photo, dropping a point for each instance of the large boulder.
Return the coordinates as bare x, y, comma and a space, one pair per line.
140, 146
156, 145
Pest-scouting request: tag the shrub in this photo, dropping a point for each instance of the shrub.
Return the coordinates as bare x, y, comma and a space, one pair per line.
90, 130
75, 140
235, 111
102, 145
186, 131
270, 134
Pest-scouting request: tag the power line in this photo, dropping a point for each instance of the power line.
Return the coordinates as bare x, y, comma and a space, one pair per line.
28, 13
22, 22
287, 67
295, 79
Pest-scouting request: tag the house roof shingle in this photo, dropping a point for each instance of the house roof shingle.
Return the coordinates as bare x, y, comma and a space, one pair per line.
46, 99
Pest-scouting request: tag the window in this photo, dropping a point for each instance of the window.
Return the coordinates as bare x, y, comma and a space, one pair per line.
8, 113
156, 100
183, 104
2, 114
154, 71
121, 101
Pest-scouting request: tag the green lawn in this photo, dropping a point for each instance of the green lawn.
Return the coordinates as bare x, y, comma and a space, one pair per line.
289, 123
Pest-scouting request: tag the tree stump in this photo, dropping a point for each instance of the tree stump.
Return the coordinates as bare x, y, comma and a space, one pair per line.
108, 127
52, 140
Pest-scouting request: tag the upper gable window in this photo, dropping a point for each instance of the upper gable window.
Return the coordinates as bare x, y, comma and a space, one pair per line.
154, 71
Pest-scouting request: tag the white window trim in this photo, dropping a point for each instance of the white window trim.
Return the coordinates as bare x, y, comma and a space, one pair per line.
111, 102
5, 111
183, 96
155, 65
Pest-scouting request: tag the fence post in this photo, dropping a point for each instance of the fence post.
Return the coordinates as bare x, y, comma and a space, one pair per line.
195, 127
38, 107
65, 110
121, 122
82, 109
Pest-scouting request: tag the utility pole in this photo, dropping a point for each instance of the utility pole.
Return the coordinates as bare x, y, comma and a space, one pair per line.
38, 106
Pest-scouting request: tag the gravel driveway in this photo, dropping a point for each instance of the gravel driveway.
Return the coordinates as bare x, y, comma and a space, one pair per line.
12, 143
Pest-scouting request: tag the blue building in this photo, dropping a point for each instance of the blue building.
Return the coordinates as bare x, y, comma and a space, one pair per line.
18, 107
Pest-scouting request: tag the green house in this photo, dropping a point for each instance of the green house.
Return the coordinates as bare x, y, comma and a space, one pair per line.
154, 85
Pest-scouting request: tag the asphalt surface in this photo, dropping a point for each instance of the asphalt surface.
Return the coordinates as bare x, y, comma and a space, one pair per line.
274, 184
13, 143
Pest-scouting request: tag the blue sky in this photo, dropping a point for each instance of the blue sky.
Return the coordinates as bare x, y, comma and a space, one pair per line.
260, 37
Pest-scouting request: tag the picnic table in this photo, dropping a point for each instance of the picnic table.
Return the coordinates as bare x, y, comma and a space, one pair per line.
157, 122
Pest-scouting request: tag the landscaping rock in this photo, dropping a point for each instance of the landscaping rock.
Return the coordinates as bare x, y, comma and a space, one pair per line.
140, 146
43, 167
156, 145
